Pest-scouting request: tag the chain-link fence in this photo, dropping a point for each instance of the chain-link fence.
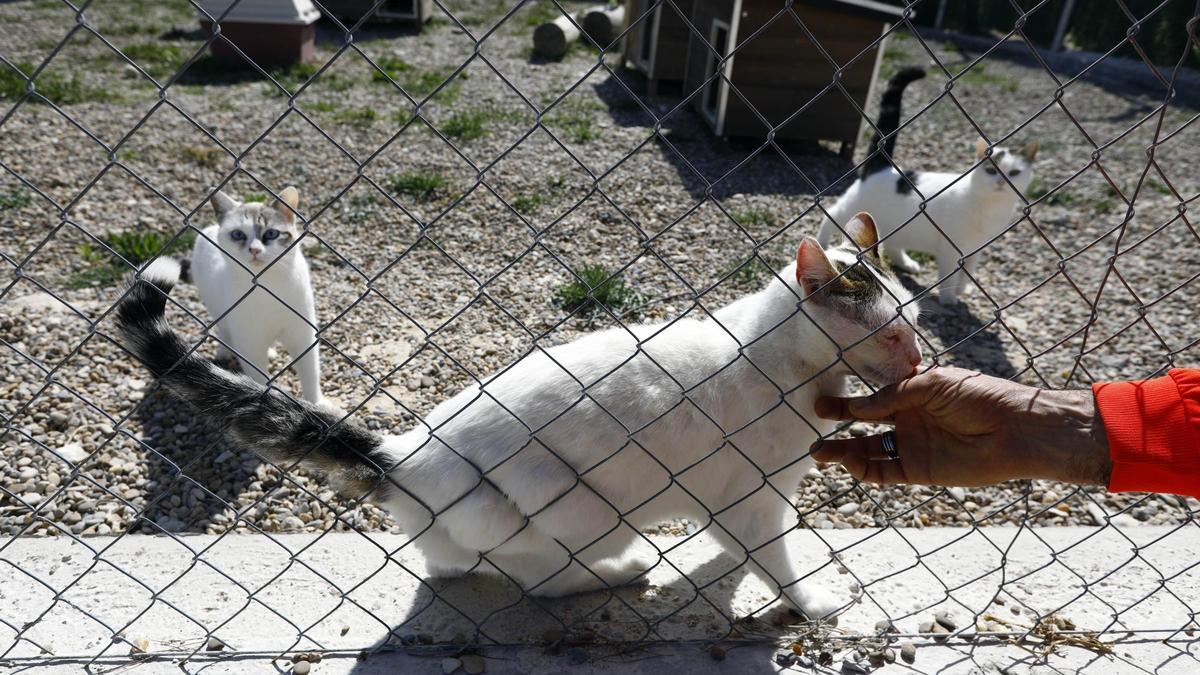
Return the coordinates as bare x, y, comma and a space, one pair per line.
466, 208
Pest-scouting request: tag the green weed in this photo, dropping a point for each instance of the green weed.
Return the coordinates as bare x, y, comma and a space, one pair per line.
593, 291
422, 186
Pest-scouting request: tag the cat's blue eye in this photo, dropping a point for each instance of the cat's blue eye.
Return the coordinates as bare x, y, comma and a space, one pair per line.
1014, 172
270, 234
238, 235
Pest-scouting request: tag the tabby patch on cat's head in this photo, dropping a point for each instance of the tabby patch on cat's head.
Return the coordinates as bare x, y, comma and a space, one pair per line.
255, 233
860, 304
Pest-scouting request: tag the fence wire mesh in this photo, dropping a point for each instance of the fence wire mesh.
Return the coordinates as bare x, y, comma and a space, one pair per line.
466, 206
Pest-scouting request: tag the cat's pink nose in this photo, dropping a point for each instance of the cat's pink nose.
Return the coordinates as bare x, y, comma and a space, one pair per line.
255, 251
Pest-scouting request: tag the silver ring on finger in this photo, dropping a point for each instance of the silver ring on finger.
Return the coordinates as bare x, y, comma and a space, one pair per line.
889, 445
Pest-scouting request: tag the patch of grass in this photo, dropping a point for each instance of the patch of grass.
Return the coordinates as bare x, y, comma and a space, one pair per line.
527, 204
1105, 206
922, 257
980, 76
204, 156
17, 199
755, 217
129, 155
322, 107
466, 125
105, 266
422, 186
576, 124
590, 292
361, 117
540, 13
156, 58
745, 272
417, 82
1038, 190
256, 197
1159, 187
54, 87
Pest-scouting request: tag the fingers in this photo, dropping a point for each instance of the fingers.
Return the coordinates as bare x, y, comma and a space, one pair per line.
863, 458
880, 406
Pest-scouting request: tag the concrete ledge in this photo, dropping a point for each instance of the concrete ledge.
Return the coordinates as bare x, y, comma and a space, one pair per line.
266, 597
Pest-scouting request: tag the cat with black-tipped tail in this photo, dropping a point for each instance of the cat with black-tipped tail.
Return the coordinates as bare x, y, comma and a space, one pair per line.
961, 214
548, 471
254, 281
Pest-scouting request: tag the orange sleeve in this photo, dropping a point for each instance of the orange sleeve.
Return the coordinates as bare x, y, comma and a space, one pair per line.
1153, 430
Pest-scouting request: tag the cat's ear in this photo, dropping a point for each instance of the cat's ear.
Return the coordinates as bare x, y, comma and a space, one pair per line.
222, 203
286, 205
980, 148
1030, 151
813, 269
861, 230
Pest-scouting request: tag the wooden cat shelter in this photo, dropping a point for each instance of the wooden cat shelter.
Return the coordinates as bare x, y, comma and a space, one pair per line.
657, 45
781, 70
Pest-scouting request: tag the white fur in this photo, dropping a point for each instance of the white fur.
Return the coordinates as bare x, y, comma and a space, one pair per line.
584, 444
970, 210
258, 320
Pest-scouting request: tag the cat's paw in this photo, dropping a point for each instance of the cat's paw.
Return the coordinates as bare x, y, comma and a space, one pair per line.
906, 264
814, 602
948, 299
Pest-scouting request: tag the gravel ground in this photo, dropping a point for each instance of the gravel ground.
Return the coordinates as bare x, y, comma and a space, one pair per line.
97, 449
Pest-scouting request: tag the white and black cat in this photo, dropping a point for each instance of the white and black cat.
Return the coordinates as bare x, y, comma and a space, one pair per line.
257, 289
969, 209
550, 468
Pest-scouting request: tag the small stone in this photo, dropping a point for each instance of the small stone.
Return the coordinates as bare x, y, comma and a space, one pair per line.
908, 652
946, 620
853, 667
889, 655
345, 629
139, 646
957, 493
848, 509
58, 421
73, 453
885, 626
875, 658
426, 381
717, 652
473, 664
214, 645
785, 659
301, 668
450, 665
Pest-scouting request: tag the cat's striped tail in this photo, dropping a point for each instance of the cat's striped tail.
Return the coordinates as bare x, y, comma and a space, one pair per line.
889, 121
272, 424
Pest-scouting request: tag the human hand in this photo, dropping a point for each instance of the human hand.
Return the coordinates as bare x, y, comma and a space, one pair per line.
959, 427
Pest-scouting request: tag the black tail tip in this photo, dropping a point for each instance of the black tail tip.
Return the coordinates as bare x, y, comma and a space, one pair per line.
907, 74
147, 296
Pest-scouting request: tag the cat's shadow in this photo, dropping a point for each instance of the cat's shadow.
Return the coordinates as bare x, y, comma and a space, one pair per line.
971, 342
448, 615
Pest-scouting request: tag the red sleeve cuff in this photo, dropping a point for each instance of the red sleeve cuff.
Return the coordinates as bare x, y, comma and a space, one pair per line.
1151, 441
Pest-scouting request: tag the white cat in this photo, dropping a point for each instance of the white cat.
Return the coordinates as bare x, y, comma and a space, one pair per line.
549, 470
970, 209
248, 240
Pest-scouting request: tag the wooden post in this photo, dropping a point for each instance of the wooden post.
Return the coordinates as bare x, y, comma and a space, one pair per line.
552, 39
602, 24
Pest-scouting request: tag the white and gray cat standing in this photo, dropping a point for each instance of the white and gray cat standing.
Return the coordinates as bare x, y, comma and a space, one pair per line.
970, 209
548, 471
251, 240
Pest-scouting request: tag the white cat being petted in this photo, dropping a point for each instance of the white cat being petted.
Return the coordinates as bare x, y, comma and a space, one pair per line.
547, 471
